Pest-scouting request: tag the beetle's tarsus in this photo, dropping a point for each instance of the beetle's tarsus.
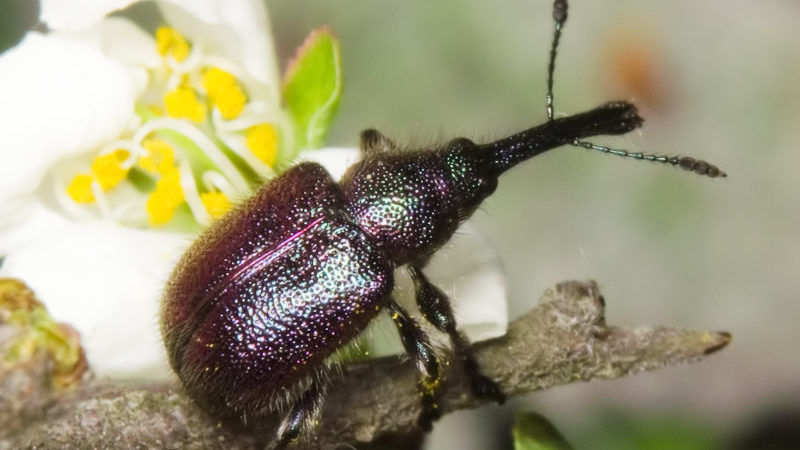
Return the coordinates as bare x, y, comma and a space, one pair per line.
430, 410
419, 348
484, 387
435, 307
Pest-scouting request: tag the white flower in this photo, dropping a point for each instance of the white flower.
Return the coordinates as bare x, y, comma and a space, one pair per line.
101, 190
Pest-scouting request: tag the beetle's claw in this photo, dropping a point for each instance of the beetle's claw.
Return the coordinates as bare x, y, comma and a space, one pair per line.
483, 387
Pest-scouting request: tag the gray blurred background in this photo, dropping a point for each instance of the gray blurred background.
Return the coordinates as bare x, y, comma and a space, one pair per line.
718, 80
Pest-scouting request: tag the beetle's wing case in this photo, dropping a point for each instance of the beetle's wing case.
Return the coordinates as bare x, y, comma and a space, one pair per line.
266, 294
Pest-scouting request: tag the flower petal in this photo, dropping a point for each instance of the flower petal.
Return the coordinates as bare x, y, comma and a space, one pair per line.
335, 160
106, 281
27, 219
117, 38
239, 29
59, 98
77, 14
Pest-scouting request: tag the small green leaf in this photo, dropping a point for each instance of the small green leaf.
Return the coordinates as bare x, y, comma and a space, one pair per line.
534, 432
313, 86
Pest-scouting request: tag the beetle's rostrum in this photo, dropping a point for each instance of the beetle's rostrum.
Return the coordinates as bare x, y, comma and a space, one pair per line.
262, 299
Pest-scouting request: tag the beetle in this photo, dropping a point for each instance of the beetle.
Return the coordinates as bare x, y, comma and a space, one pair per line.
257, 305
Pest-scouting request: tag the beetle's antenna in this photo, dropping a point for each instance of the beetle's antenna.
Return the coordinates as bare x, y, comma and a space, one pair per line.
684, 162
560, 17
688, 163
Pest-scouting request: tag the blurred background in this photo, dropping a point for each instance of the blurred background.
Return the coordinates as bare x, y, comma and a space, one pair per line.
719, 80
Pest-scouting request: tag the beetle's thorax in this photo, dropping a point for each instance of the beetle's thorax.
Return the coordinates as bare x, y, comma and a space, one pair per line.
411, 203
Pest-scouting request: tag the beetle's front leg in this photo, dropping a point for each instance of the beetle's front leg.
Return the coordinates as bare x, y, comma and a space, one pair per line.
304, 412
435, 307
419, 348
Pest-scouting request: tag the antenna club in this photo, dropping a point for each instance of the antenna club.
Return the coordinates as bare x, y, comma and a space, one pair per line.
701, 167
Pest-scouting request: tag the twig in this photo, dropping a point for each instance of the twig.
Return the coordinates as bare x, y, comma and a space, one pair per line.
563, 339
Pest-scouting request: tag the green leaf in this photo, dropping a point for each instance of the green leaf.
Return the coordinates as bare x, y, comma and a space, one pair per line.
534, 432
313, 86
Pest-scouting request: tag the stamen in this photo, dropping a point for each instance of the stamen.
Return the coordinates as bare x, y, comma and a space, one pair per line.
192, 195
107, 169
216, 203
182, 103
197, 88
102, 201
214, 181
262, 141
80, 189
167, 196
159, 158
224, 92
199, 139
170, 42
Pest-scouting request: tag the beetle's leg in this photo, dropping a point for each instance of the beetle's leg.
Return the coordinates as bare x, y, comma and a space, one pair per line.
304, 413
373, 141
419, 348
435, 307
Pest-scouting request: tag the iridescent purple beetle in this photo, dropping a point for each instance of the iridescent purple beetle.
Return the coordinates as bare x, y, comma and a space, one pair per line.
263, 298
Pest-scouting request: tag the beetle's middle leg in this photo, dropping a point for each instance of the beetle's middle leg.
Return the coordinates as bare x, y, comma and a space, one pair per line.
419, 348
435, 307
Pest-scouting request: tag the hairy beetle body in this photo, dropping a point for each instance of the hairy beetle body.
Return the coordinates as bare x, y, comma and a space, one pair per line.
263, 297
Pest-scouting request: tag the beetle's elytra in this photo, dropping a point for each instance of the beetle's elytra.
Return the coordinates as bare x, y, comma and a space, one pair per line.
261, 299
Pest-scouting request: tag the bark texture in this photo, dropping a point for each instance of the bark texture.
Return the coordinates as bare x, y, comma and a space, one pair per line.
562, 340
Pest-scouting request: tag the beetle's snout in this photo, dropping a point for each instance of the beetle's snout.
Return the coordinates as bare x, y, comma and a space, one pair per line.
623, 118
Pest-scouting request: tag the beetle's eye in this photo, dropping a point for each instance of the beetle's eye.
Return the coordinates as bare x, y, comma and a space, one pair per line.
460, 144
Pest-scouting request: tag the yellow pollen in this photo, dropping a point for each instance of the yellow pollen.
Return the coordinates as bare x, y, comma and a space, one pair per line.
80, 189
160, 156
224, 92
216, 203
262, 141
107, 169
182, 103
170, 42
167, 196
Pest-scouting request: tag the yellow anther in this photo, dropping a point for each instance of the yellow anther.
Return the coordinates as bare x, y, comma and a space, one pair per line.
171, 43
167, 196
160, 156
158, 212
216, 203
263, 142
107, 169
170, 185
224, 92
80, 189
182, 103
